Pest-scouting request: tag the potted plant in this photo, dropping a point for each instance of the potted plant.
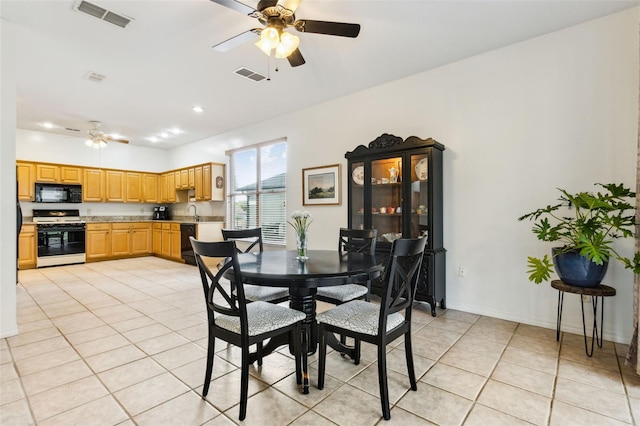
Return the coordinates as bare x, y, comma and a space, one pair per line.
586, 238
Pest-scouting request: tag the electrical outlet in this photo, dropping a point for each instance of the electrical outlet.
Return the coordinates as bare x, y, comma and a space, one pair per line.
462, 271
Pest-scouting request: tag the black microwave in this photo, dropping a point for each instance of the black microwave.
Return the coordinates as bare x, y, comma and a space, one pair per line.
58, 193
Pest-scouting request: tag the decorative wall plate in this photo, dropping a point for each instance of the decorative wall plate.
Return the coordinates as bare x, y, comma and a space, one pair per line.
219, 182
358, 175
421, 169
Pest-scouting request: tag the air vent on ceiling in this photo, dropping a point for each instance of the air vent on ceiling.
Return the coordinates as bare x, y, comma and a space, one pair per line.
251, 75
94, 76
102, 13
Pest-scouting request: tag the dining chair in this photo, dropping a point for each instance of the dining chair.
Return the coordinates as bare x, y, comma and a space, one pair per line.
239, 323
350, 241
252, 238
380, 324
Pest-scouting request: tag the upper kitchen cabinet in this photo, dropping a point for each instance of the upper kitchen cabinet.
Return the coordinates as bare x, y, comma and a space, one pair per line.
93, 188
150, 188
133, 187
115, 185
54, 173
395, 186
26, 174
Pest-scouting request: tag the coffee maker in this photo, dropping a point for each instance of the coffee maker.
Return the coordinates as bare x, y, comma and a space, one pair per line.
160, 213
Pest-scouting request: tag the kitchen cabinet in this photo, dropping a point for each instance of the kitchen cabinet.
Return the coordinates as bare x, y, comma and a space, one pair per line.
71, 175
206, 182
395, 186
192, 178
178, 180
98, 241
184, 179
150, 188
171, 191
157, 238
27, 247
115, 185
170, 245
199, 183
93, 187
133, 187
47, 173
130, 239
26, 175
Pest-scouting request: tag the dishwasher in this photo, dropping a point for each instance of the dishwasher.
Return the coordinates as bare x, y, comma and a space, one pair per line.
186, 251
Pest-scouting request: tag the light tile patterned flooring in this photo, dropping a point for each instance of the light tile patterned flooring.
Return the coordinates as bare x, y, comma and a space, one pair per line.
123, 342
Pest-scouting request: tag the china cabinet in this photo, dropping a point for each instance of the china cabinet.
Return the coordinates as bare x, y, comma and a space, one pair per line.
395, 186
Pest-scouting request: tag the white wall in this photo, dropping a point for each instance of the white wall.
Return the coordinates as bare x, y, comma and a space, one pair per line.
8, 324
554, 111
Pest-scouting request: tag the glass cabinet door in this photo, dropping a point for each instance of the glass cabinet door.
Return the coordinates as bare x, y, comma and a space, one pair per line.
386, 198
419, 200
357, 195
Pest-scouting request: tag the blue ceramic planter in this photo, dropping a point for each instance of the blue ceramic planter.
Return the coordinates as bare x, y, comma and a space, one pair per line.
574, 269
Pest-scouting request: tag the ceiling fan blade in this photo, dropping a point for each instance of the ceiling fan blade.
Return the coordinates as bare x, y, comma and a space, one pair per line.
341, 29
236, 5
110, 139
296, 59
235, 41
291, 5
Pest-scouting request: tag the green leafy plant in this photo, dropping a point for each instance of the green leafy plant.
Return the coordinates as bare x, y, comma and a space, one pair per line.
598, 219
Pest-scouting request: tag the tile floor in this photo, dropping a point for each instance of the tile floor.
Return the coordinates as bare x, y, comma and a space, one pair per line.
123, 342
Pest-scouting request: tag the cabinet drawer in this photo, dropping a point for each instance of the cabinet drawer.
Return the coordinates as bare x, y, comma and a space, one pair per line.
140, 225
175, 227
166, 226
156, 225
98, 226
123, 225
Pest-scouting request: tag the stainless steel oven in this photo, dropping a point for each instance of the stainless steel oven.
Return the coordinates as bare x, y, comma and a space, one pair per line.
61, 237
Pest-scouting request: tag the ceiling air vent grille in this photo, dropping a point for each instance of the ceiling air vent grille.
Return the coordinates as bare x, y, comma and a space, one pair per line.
251, 75
94, 76
102, 13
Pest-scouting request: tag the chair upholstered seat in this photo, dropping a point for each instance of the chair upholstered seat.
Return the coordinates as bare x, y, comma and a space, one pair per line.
256, 293
262, 318
359, 316
343, 293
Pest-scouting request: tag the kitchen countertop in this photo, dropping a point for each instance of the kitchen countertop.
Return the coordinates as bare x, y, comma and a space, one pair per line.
120, 219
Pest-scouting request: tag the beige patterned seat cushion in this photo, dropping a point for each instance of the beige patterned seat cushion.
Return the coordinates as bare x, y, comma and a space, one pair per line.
262, 317
359, 316
343, 293
257, 293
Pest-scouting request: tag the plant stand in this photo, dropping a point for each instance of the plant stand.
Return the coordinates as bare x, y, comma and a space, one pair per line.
600, 291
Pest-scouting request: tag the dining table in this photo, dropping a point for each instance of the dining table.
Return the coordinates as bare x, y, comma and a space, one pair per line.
282, 268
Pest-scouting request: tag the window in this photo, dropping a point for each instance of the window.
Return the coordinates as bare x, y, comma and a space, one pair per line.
257, 190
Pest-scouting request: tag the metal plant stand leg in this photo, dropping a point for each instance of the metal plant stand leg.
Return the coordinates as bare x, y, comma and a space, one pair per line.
600, 291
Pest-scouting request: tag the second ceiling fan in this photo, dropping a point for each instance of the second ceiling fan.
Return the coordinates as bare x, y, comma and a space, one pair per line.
277, 16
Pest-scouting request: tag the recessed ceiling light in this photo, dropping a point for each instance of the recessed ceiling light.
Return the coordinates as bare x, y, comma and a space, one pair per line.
197, 108
164, 135
152, 139
176, 131
47, 125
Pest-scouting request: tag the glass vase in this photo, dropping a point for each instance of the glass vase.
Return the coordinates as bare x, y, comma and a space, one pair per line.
301, 245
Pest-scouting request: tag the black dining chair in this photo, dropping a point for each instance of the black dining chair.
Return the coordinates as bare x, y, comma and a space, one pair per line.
380, 324
351, 241
252, 238
239, 323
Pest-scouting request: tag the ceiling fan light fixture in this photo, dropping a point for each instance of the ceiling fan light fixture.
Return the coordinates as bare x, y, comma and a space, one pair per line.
88, 142
288, 44
102, 144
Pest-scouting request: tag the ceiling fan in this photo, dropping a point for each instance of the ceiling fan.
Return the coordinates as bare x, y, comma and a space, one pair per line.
277, 16
98, 139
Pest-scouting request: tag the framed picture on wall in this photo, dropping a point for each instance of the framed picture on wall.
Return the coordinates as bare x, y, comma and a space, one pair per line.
321, 186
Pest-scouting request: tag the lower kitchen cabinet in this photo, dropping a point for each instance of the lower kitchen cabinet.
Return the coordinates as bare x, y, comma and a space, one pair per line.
27, 247
170, 241
98, 241
117, 240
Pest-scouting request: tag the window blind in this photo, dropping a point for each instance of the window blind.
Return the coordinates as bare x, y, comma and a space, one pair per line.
257, 193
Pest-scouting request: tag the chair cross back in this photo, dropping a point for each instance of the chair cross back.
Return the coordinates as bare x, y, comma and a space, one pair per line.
211, 281
357, 241
253, 235
402, 276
